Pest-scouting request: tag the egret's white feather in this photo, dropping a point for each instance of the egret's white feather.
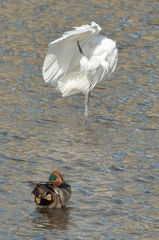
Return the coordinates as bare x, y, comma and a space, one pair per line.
74, 72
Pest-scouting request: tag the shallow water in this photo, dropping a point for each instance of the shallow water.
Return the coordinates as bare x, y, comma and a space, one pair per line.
112, 159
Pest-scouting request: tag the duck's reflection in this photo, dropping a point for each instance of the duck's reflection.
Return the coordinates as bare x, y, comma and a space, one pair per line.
58, 218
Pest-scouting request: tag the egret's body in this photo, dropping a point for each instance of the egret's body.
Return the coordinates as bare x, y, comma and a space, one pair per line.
79, 60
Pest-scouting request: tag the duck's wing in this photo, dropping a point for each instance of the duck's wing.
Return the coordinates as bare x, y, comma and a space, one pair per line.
63, 55
35, 183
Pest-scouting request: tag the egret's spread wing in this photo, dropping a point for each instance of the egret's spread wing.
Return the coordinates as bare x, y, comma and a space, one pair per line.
63, 54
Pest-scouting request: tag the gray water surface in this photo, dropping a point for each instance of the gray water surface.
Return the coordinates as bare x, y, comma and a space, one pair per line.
112, 159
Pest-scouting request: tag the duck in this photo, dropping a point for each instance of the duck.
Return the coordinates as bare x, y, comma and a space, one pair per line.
53, 194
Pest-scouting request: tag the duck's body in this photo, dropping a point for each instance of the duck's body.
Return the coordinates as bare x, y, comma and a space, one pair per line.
53, 194
80, 60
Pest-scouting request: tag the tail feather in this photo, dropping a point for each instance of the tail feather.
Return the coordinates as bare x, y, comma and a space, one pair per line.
39, 190
43, 196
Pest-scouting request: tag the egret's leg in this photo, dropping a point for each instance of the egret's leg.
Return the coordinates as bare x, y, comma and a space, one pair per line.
86, 103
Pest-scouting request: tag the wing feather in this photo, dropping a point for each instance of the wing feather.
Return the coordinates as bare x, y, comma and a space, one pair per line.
63, 54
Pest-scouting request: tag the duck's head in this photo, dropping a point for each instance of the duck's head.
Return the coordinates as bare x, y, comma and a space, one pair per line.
56, 179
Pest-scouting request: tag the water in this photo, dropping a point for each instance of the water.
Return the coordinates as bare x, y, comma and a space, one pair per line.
112, 159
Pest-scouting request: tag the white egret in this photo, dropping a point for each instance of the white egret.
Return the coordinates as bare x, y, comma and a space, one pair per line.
79, 60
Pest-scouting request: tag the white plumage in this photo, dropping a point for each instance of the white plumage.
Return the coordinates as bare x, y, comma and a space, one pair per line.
80, 60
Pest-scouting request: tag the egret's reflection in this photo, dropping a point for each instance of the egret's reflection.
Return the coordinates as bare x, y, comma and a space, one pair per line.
52, 218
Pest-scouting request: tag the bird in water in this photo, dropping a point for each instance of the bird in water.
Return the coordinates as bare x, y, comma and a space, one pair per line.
53, 194
79, 60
